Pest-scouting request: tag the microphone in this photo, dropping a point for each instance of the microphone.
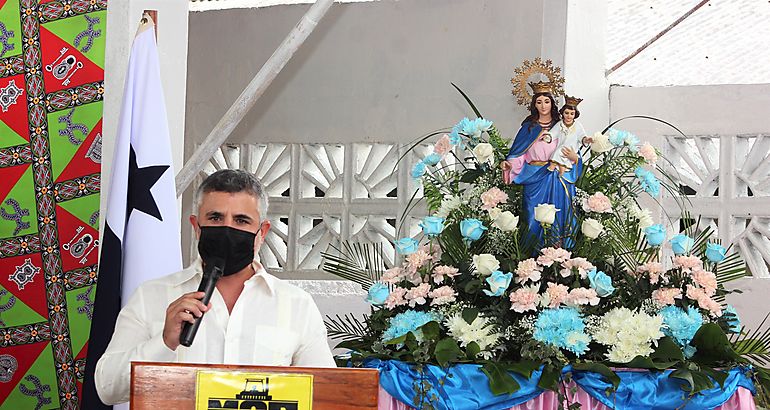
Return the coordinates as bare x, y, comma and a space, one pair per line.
211, 274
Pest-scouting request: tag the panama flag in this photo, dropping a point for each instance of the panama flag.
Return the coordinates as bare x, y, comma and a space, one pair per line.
141, 233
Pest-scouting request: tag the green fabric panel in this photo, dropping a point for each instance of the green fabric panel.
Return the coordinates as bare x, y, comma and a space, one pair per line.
9, 137
83, 208
45, 370
9, 16
24, 193
19, 314
77, 312
68, 30
62, 150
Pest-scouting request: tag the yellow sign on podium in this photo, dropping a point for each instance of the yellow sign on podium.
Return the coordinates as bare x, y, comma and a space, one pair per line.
261, 391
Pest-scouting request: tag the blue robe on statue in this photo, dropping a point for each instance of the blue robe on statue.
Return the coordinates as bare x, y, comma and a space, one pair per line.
530, 157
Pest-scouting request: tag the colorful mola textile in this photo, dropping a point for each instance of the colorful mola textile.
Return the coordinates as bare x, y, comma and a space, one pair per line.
51, 88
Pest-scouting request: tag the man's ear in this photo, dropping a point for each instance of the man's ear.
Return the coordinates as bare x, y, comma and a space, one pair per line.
194, 223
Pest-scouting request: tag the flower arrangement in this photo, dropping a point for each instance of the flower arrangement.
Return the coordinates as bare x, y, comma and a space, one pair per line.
477, 287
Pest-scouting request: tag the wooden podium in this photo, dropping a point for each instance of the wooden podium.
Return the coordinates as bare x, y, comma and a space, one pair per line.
156, 386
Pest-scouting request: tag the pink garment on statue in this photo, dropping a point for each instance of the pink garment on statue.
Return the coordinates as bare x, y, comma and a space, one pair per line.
540, 151
741, 400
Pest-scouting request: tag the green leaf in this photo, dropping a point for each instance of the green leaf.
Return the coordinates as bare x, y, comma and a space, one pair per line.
718, 375
524, 367
600, 368
472, 350
470, 314
471, 175
472, 286
446, 351
430, 330
549, 380
468, 100
667, 351
641, 362
500, 381
712, 344
686, 376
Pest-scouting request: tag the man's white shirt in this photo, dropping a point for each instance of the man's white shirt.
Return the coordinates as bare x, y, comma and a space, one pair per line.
273, 323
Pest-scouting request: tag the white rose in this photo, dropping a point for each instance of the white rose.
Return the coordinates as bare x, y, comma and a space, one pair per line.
484, 153
506, 221
545, 213
494, 213
601, 143
485, 264
592, 228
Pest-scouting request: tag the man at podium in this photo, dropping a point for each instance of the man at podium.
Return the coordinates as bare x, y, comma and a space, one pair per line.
253, 318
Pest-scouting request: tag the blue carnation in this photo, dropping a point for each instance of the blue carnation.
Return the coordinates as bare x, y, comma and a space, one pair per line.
617, 137
563, 328
418, 170
632, 141
647, 180
681, 325
432, 159
408, 321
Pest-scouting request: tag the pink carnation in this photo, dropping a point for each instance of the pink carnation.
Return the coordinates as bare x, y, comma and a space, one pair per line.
442, 145
417, 259
647, 151
556, 294
392, 276
655, 270
582, 265
417, 294
528, 269
687, 263
442, 295
442, 270
705, 279
524, 299
492, 197
551, 255
597, 202
582, 296
666, 296
704, 301
395, 298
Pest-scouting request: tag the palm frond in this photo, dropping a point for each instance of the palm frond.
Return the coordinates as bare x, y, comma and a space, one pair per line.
754, 346
357, 262
345, 328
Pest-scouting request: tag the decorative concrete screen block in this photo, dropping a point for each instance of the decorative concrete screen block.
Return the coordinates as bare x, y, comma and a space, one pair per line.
323, 194
727, 178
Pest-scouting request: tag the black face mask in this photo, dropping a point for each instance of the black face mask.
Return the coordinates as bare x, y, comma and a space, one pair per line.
226, 247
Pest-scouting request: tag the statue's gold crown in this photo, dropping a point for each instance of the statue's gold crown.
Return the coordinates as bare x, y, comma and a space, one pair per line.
573, 101
541, 87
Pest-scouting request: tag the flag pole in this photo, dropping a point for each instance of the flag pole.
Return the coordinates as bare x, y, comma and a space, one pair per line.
251, 94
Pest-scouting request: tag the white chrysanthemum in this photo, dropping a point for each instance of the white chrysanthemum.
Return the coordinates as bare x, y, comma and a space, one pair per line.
627, 333
448, 204
480, 331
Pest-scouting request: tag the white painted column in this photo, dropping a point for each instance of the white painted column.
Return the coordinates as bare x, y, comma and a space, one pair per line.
123, 17
584, 61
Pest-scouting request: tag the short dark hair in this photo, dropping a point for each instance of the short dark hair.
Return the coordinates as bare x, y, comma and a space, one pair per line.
232, 181
570, 107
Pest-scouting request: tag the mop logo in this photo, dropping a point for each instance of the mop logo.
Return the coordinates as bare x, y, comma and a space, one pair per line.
259, 391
